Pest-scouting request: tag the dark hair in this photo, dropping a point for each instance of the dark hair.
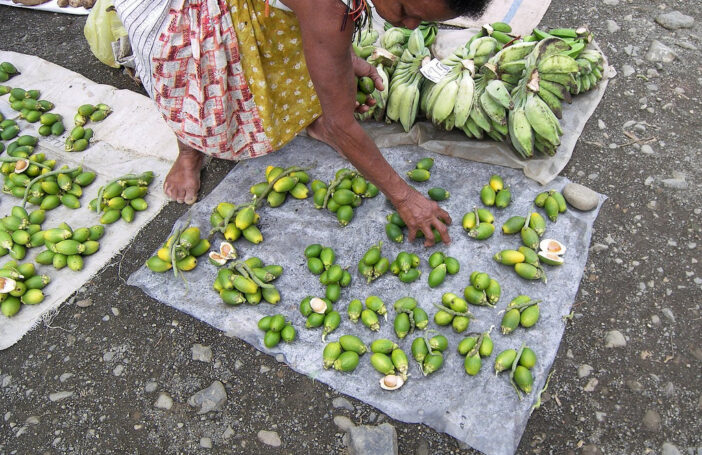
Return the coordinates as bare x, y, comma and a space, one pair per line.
472, 8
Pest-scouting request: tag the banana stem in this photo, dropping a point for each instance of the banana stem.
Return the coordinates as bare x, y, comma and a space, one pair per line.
514, 367
253, 276
174, 246
525, 305
333, 184
258, 201
466, 314
41, 177
476, 348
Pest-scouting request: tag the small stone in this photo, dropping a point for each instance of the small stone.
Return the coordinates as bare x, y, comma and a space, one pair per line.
422, 449
668, 313
599, 247
675, 183
264, 369
150, 387
628, 70
209, 399
56, 396
655, 320
365, 439
611, 2
270, 438
601, 124
647, 150
343, 423
591, 449
228, 433
675, 20
238, 364
580, 197
6, 381
634, 386
342, 403
164, 401
85, 303
612, 27
201, 353
115, 311
615, 339
600, 416
659, 52
206, 443
652, 421
65, 376
280, 358
591, 385
671, 449
119, 369
669, 390
584, 370
32, 420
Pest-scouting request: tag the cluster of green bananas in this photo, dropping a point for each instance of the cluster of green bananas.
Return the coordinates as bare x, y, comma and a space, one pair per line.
180, 251
248, 281
396, 39
7, 71
483, 290
320, 312
428, 352
521, 311
321, 260
364, 46
276, 328
21, 230
32, 109
479, 223
20, 284
50, 188
390, 361
475, 347
591, 67
409, 316
67, 247
404, 93
440, 266
122, 197
369, 315
344, 354
519, 363
279, 182
421, 171
344, 193
80, 137
495, 193
553, 203
373, 265
406, 267
453, 311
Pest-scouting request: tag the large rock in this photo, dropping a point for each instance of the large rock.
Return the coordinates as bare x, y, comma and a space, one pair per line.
615, 339
209, 399
373, 440
675, 20
659, 52
580, 197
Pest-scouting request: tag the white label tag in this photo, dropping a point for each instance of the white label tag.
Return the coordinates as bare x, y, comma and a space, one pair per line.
434, 70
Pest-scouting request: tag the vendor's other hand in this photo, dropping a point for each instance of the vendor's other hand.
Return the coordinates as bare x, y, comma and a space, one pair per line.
362, 68
421, 214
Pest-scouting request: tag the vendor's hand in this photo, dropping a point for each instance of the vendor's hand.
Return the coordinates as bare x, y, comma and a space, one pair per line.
421, 214
362, 68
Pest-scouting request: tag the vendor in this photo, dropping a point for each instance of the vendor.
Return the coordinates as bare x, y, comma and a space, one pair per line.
237, 79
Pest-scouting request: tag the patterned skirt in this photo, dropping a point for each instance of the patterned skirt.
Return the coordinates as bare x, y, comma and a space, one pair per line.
230, 81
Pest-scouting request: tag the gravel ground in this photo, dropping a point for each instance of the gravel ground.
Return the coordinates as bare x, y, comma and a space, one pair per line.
113, 371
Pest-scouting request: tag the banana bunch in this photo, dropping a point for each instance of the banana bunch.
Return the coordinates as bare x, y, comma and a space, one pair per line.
448, 102
404, 93
365, 45
590, 69
395, 38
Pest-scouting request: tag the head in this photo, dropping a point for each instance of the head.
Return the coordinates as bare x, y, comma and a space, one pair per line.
409, 13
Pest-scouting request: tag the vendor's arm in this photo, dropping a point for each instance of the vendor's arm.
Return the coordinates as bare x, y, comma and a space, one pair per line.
329, 61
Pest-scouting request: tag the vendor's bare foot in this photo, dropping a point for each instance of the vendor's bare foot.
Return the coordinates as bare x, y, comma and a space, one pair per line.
183, 180
317, 130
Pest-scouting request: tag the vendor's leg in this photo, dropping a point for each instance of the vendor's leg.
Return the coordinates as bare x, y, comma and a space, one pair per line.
183, 180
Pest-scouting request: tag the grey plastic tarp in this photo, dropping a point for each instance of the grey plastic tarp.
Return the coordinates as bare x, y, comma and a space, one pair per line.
472, 409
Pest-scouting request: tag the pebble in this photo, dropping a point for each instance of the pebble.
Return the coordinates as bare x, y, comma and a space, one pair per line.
32, 420
228, 433
669, 390
591, 449
669, 449
119, 369
584, 370
65, 376
601, 124
615, 339
115, 311
164, 401
56, 396
675, 20
655, 320
675, 183
611, 2
652, 421
668, 313
342, 403
209, 399
150, 387
599, 247
201, 353
6, 381
628, 70
343, 423
85, 303
264, 369
270, 438
206, 443
591, 385
647, 150
612, 27
372, 440
580, 196
659, 52
634, 386
280, 358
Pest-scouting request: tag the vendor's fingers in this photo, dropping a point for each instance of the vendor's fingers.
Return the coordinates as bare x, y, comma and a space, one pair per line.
377, 80
443, 231
428, 235
444, 216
